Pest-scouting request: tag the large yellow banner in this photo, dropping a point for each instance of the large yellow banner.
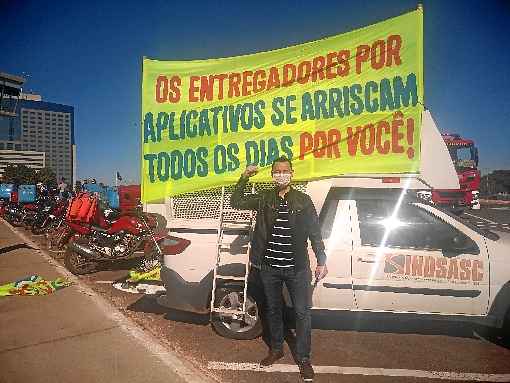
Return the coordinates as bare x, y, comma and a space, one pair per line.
347, 104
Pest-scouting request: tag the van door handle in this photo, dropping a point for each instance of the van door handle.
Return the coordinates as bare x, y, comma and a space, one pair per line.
366, 260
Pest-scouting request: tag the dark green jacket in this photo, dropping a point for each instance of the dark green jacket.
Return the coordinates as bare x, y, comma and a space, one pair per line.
302, 219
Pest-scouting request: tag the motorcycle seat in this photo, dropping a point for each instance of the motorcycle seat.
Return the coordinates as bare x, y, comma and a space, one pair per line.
99, 228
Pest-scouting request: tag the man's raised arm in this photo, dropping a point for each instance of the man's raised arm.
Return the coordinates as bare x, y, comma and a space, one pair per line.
238, 200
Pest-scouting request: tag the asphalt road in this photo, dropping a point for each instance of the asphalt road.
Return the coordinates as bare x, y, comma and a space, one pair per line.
490, 218
498, 214
344, 348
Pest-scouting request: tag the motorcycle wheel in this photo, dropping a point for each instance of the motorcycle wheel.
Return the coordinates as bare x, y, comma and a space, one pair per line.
77, 264
16, 222
38, 230
62, 238
27, 225
57, 238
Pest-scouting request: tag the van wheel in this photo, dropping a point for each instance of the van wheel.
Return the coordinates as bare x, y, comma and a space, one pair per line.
77, 264
241, 327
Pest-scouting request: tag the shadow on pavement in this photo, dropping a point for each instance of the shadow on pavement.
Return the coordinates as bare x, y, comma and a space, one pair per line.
148, 304
386, 323
120, 264
7, 249
187, 317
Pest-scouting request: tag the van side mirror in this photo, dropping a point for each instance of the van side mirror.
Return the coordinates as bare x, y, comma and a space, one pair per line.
460, 244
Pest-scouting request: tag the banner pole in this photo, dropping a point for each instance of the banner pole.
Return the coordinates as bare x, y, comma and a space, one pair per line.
420, 8
140, 132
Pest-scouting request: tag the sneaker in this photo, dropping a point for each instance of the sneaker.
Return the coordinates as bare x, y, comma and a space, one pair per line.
306, 371
272, 357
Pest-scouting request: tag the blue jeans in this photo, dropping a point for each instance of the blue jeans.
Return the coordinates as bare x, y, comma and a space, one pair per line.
298, 285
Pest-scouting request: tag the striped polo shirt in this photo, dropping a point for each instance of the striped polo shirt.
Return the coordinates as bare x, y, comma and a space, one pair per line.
279, 252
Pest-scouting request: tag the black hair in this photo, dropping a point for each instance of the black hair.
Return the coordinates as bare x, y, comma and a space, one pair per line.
281, 159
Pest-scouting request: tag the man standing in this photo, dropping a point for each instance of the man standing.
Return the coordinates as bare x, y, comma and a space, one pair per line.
286, 219
62, 186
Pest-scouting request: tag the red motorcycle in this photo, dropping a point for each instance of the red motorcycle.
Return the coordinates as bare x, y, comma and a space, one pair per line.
16, 212
95, 240
69, 222
50, 210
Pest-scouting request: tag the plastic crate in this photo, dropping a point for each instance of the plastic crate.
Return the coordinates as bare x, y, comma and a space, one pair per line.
27, 194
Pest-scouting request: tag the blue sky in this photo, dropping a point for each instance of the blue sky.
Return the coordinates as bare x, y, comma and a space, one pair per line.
88, 54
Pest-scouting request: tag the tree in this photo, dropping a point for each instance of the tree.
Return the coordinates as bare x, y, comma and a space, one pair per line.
19, 175
47, 177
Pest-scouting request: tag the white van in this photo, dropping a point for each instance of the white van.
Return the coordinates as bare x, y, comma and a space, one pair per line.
388, 252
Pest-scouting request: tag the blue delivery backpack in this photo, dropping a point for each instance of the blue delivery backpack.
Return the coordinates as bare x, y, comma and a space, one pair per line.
27, 193
93, 188
112, 195
6, 190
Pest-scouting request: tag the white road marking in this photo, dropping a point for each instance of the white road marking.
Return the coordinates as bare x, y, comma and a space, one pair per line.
104, 282
395, 372
484, 219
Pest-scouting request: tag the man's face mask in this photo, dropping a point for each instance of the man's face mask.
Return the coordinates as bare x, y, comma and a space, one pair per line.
282, 178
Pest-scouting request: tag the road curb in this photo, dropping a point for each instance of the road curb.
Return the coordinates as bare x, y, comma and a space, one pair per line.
182, 368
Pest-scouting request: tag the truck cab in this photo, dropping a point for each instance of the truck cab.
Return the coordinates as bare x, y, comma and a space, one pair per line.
464, 155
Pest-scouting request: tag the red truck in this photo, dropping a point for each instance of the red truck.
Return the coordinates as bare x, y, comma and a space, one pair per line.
464, 155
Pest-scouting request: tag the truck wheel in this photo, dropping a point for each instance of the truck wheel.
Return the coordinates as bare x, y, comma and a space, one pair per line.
77, 264
238, 327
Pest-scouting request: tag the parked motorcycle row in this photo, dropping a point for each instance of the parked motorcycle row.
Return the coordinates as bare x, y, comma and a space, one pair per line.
92, 228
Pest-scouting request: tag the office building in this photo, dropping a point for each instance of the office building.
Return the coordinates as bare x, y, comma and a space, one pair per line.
38, 126
11, 153
49, 127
